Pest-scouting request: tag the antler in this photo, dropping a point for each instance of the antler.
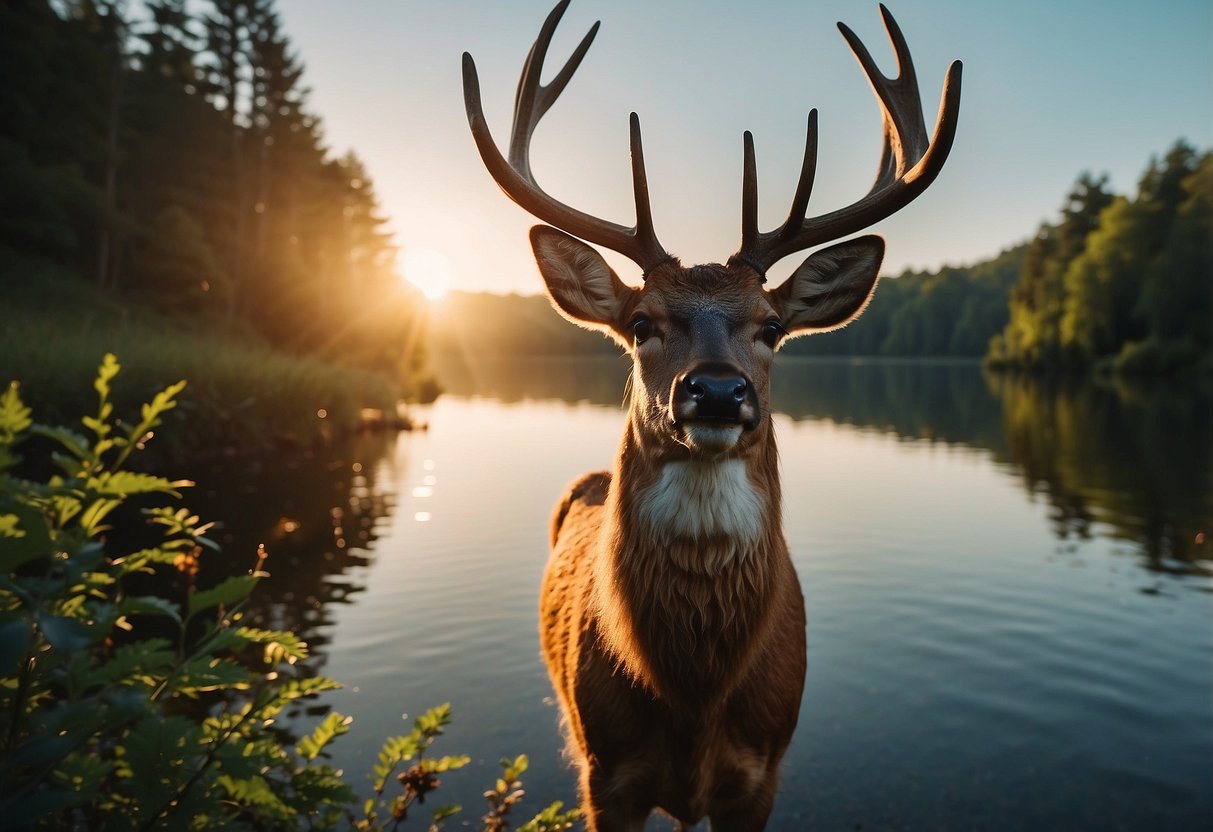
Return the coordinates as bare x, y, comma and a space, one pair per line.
515, 177
909, 162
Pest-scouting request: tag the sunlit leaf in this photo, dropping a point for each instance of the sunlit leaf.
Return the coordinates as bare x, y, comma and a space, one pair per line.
14, 415
226, 592
395, 751
444, 812
208, 673
332, 726
254, 792
10, 526
294, 689
144, 661
448, 763
125, 483
432, 721
105, 374
279, 645
552, 819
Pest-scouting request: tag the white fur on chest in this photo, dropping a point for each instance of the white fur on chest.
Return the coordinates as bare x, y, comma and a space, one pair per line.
696, 499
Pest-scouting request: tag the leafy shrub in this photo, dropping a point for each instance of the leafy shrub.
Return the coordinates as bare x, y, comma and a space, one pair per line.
137, 710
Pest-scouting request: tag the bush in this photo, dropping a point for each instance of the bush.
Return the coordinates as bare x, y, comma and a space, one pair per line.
137, 709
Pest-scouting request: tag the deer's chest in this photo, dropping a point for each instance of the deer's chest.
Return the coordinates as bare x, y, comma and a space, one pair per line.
698, 501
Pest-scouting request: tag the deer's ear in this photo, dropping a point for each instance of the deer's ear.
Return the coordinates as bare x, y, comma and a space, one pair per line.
831, 288
582, 286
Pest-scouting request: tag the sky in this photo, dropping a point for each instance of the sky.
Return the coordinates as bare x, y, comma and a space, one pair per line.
1051, 89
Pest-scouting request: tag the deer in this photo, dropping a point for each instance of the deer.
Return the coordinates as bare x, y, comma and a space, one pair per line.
671, 618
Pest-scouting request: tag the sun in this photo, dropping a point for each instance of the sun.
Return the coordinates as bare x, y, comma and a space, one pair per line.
428, 270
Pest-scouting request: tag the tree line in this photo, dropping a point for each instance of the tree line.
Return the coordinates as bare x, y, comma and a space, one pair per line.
164, 152
1121, 282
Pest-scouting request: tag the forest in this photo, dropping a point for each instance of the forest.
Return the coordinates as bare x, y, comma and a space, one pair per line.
1120, 281
165, 178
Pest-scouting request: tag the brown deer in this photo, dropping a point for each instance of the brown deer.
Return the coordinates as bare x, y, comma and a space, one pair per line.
671, 617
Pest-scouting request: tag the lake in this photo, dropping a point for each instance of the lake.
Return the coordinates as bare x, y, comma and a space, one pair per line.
1008, 586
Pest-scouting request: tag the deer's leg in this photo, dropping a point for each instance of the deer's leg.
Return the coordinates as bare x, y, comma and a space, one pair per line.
607, 806
748, 815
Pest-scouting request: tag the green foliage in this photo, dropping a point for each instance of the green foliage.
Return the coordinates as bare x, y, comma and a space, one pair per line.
125, 709
1120, 282
244, 394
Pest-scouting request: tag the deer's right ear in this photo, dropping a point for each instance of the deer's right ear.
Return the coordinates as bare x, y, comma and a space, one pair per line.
580, 283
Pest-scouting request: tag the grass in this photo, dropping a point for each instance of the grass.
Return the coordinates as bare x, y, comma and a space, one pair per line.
242, 394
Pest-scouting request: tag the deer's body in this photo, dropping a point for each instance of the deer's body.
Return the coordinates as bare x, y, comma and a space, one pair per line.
679, 658
671, 617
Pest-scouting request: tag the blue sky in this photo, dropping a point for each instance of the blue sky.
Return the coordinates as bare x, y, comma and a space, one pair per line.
1050, 89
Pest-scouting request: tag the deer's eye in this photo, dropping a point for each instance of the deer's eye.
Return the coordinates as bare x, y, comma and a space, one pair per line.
771, 332
642, 329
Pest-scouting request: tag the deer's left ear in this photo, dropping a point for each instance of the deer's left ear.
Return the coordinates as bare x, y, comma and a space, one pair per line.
831, 287
582, 286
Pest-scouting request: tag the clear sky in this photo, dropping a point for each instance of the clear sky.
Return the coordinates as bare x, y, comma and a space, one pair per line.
1051, 88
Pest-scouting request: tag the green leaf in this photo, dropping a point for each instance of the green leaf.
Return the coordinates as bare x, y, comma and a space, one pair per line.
515, 769
105, 374
126, 483
256, 794
82, 775
294, 689
320, 785
395, 751
209, 673
444, 812
98, 510
333, 726
9, 526
158, 756
432, 721
16, 641
552, 819
149, 605
448, 763
145, 662
67, 635
226, 592
74, 443
279, 645
34, 542
14, 415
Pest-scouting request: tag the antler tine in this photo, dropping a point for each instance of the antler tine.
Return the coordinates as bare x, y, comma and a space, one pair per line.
909, 161
905, 130
640, 188
515, 177
534, 99
749, 193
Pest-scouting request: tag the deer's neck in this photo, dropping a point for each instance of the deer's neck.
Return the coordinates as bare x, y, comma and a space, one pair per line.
692, 552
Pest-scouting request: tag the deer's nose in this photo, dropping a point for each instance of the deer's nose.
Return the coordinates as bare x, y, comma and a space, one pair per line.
714, 396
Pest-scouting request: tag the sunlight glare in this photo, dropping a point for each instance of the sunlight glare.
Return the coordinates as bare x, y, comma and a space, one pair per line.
428, 270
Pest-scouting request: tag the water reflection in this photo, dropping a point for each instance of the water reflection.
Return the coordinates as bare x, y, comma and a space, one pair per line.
316, 511
1128, 456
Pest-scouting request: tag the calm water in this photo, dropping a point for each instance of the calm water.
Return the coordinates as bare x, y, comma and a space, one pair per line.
1008, 593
